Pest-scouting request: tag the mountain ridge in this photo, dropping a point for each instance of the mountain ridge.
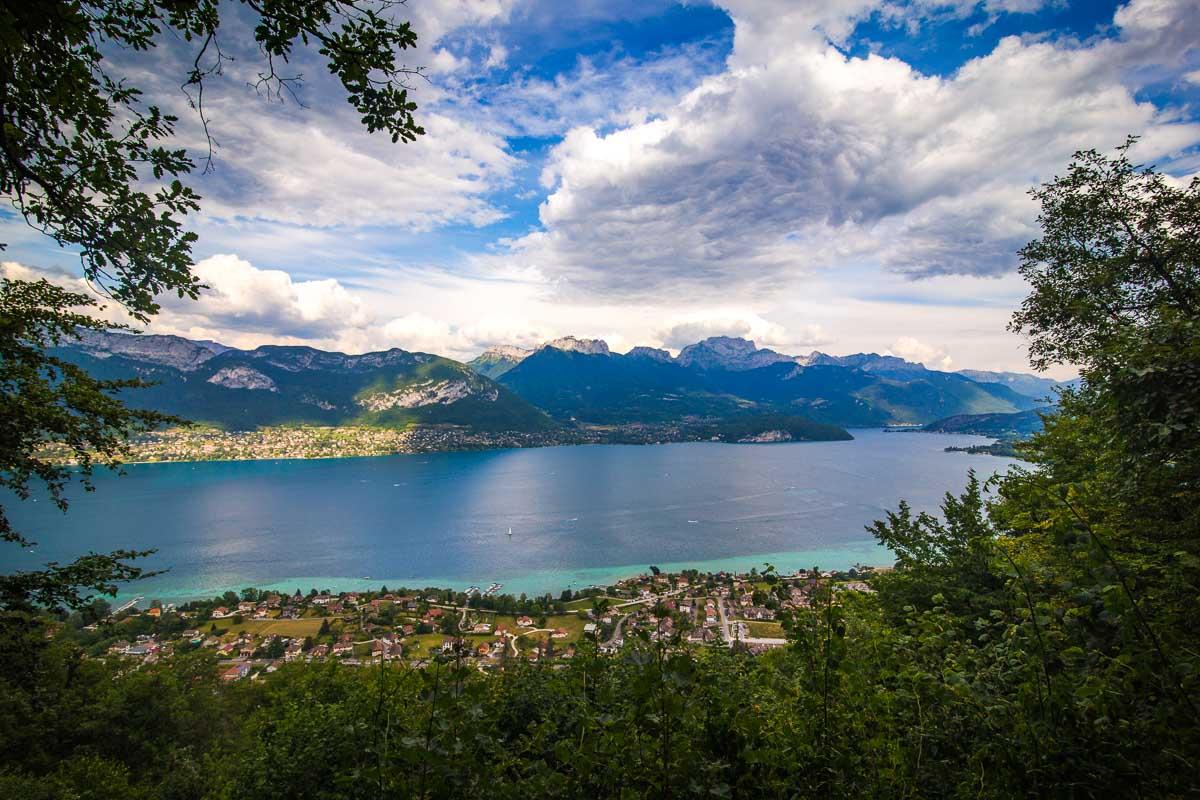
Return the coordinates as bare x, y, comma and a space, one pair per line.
734, 353
570, 381
724, 376
286, 384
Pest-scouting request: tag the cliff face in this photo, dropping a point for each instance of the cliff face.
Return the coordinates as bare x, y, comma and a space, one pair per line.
273, 385
570, 344
651, 353
726, 352
168, 351
495, 361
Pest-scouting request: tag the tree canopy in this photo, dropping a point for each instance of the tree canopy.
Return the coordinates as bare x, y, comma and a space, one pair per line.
91, 162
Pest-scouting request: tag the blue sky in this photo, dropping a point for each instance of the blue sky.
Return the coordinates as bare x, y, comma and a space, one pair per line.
842, 175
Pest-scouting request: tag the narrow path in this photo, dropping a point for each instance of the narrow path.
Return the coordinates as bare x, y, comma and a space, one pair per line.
616, 634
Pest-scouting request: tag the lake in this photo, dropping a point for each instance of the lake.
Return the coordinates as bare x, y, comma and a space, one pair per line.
579, 515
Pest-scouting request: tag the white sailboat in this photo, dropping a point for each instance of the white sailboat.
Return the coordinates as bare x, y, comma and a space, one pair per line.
510, 533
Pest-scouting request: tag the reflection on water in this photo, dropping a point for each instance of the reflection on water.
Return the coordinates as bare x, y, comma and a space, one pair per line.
575, 512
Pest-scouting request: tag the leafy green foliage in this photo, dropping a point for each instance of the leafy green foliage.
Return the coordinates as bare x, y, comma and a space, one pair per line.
89, 162
1118, 253
47, 400
950, 558
78, 147
75, 144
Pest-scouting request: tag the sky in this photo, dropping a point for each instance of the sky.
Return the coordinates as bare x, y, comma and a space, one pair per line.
839, 175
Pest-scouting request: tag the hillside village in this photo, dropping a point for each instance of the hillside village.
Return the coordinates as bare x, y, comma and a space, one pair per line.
256, 632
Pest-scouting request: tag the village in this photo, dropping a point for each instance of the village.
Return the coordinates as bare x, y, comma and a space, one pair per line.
253, 634
206, 443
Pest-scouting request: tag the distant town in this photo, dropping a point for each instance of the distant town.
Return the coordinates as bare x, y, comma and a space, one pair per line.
206, 443
213, 444
255, 632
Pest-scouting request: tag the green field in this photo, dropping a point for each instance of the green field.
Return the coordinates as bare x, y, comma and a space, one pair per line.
572, 623
423, 644
308, 626
765, 630
586, 603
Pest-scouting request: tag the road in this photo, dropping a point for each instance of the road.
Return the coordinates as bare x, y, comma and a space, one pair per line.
616, 634
725, 631
647, 601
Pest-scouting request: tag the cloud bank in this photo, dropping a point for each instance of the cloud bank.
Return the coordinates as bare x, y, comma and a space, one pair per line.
799, 157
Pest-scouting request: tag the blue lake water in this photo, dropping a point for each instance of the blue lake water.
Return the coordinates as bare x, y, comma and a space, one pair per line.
579, 515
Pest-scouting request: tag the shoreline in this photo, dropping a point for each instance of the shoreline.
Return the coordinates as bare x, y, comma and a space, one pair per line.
201, 443
490, 449
202, 579
860, 553
507, 446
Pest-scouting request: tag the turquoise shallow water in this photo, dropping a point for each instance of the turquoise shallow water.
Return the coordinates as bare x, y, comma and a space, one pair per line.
579, 515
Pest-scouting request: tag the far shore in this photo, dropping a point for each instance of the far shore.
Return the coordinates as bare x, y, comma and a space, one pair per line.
207, 444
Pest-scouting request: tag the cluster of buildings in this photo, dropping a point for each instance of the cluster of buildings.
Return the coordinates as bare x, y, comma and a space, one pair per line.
208, 444
715, 608
260, 633
212, 444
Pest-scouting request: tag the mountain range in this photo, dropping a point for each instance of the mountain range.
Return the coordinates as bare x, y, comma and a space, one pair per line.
275, 385
564, 383
734, 354
582, 380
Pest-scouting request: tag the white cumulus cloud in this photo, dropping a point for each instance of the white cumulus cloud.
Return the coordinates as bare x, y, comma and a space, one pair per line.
799, 158
696, 326
244, 299
912, 349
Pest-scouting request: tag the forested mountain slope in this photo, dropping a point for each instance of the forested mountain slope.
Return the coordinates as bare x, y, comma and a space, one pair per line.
613, 388
273, 385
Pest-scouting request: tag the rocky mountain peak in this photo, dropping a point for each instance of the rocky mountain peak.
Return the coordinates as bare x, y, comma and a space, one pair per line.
571, 344
495, 361
728, 352
867, 362
652, 353
168, 351
505, 352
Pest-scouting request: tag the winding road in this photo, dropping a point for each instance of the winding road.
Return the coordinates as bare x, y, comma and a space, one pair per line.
616, 634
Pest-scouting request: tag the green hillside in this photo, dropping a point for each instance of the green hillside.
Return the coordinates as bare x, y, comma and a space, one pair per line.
606, 389
615, 389
242, 390
797, 429
1019, 425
